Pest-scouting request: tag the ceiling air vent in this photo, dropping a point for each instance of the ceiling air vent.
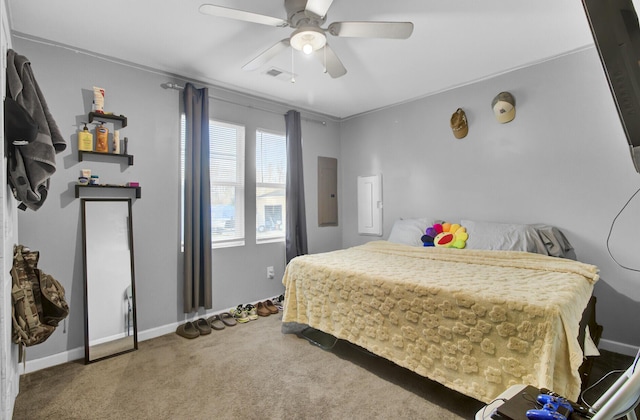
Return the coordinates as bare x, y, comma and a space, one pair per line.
279, 74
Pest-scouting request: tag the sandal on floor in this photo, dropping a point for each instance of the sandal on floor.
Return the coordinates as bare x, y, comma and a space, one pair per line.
203, 326
271, 307
215, 322
188, 330
227, 319
262, 309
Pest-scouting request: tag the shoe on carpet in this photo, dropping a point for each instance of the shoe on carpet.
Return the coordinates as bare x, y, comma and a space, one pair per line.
262, 310
240, 314
279, 302
203, 326
227, 319
188, 330
216, 323
251, 311
271, 307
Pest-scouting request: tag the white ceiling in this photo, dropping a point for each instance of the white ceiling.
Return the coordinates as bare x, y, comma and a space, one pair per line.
454, 42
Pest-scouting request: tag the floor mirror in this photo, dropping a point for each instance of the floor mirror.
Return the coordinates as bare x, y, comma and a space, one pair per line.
109, 281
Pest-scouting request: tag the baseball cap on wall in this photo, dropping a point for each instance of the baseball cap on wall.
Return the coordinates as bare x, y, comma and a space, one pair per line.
459, 124
504, 107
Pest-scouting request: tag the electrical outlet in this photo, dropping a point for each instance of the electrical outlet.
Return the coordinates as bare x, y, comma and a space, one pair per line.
270, 273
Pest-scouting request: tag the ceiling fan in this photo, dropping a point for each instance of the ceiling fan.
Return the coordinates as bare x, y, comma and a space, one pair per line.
306, 17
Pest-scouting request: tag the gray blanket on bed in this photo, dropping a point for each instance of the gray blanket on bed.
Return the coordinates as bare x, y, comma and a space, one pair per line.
555, 243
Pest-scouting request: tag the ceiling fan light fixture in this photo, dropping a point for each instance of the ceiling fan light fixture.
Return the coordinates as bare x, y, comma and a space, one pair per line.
308, 39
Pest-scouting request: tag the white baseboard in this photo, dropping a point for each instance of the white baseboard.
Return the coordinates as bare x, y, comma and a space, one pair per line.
78, 353
618, 347
53, 360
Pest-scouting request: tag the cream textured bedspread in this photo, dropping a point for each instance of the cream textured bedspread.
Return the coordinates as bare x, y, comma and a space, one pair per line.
474, 321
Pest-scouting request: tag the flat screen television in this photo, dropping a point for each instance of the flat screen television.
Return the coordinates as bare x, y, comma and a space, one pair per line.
616, 33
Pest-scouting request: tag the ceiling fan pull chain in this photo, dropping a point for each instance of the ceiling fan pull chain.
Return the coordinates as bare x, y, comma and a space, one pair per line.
324, 52
293, 75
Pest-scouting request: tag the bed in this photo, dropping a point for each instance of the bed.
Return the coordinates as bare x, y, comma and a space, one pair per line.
507, 309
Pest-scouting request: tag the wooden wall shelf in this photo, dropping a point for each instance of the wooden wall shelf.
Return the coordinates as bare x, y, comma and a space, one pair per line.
110, 117
138, 190
82, 153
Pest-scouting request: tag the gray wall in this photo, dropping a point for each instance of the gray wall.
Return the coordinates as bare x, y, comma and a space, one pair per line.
563, 161
66, 78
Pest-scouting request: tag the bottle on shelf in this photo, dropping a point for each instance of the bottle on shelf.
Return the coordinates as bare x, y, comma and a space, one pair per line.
102, 138
116, 141
85, 139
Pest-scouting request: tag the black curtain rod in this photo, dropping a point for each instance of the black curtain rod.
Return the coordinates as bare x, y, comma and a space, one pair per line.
176, 86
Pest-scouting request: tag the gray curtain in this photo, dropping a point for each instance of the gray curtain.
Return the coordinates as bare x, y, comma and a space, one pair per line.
296, 239
197, 201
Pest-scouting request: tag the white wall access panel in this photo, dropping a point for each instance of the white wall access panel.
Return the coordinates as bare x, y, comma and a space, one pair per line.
370, 205
327, 191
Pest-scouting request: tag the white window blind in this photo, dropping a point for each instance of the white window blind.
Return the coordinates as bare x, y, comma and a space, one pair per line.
226, 160
271, 176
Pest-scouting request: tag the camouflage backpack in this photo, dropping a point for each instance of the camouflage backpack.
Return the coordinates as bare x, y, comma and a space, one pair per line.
38, 300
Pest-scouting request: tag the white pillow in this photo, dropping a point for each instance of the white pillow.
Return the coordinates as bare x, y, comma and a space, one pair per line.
409, 231
503, 236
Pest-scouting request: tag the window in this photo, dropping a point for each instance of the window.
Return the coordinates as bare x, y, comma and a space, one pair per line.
226, 160
271, 177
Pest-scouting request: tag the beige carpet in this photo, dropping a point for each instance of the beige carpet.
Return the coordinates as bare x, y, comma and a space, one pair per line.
250, 371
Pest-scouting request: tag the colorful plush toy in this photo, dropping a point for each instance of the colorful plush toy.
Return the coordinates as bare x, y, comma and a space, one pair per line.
445, 235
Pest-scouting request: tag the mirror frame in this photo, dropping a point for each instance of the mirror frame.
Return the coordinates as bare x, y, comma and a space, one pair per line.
129, 223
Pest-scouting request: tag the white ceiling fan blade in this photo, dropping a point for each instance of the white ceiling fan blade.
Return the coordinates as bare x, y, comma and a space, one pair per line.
219, 11
318, 7
266, 55
330, 60
396, 30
